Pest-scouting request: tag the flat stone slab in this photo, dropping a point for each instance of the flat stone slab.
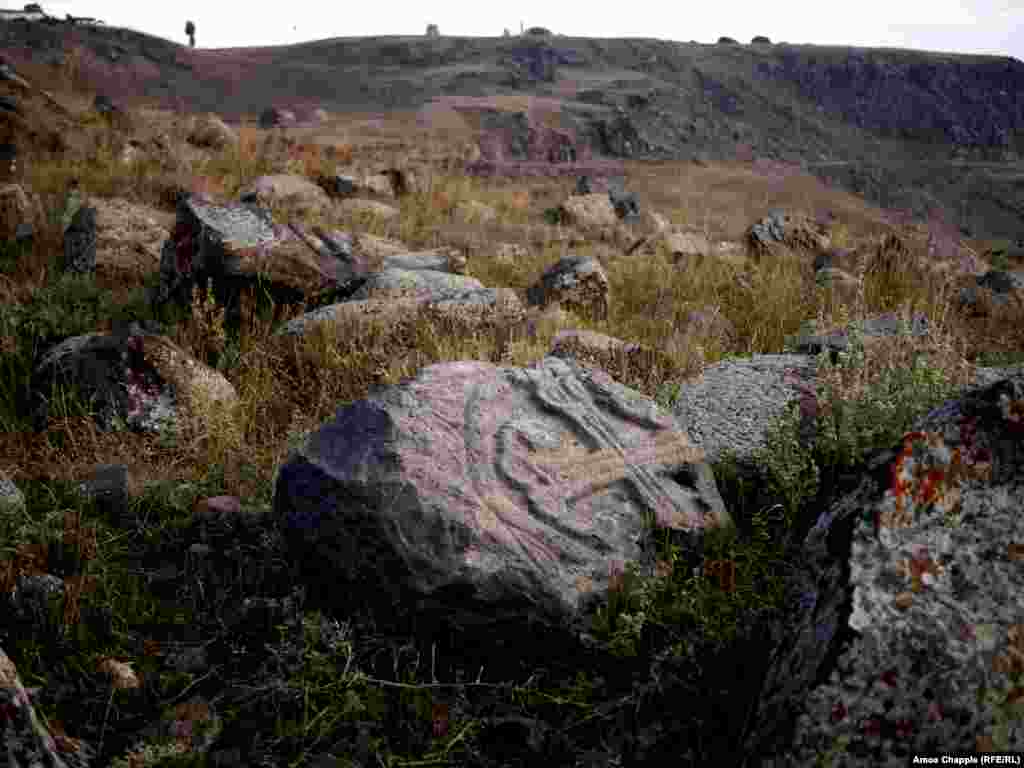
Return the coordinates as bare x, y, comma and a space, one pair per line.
416, 283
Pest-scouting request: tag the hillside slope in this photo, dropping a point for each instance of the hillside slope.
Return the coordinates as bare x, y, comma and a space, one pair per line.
933, 133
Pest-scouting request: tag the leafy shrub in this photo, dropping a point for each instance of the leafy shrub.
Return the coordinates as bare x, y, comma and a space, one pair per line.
11, 253
999, 260
71, 306
554, 216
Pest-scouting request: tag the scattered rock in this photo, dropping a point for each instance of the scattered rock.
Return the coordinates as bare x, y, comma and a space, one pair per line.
796, 232
272, 117
210, 131
16, 207
885, 325
626, 206
338, 185
141, 379
590, 212
285, 188
577, 283
992, 290
420, 283
235, 246
683, 246
80, 242
369, 208
474, 212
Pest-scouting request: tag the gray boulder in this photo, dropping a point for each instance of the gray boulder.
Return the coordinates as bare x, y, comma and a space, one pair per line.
141, 379
103, 104
838, 341
338, 185
932, 646
998, 285
238, 245
415, 283
577, 283
492, 498
626, 206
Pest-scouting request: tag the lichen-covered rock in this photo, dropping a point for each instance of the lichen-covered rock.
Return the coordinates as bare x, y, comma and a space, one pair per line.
285, 188
415, 283
590, 212
935, 542
142, 380
578, 283
781, 228
238, 246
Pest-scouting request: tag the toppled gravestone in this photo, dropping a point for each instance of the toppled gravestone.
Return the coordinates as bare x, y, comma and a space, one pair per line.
494, 499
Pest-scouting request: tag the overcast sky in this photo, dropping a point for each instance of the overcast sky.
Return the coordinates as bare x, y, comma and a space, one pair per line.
970, 26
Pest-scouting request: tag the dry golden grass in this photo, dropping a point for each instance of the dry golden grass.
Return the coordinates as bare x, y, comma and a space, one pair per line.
285, 388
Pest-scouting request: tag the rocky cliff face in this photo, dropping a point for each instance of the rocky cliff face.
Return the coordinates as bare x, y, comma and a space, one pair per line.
971, 102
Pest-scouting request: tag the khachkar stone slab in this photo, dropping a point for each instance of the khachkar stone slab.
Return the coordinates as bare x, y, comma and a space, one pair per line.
514, 488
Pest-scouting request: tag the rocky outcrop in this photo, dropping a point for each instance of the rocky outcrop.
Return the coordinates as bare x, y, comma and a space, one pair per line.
519, 137
912, 95
615, 136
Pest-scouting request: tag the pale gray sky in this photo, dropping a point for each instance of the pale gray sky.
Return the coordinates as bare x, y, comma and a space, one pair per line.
968, 26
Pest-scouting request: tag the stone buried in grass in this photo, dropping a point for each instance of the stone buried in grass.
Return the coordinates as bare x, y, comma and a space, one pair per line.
80, 242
